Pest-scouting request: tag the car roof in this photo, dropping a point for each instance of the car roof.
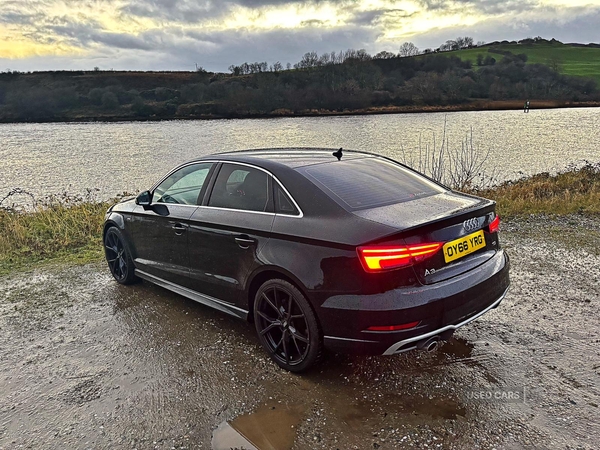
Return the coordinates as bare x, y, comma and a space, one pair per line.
292, 157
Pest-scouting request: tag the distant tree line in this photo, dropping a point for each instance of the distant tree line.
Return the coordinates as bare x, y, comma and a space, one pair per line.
313, 59
336, 81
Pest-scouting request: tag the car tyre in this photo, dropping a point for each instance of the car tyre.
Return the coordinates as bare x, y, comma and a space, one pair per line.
119, 257
287, 326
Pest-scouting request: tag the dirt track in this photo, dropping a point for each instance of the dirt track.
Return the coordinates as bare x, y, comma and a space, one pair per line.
86, 363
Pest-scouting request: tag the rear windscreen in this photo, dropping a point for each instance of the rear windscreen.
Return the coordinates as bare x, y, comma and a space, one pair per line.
369, 182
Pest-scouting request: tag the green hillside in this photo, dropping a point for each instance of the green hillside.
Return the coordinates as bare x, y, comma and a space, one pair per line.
568, 59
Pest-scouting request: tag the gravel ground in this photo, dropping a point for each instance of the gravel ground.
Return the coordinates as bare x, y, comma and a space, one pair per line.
87, 363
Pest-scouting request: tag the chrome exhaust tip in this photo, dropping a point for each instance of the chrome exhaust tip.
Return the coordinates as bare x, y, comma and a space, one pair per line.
432, 346
429, 345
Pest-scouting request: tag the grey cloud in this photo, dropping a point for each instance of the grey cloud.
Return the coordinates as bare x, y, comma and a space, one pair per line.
185, 11
376, 16
125, 41
191, 11
261, 3
83, 34
205, 37
482, 6
23, 13
312, 23
493, 7
19, 18
434, 4
367, 17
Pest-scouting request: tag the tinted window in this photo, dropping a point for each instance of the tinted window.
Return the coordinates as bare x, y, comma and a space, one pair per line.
240, 187
369, 182
283, 204
183, 186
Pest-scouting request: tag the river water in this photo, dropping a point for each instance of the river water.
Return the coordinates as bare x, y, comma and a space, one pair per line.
110, 158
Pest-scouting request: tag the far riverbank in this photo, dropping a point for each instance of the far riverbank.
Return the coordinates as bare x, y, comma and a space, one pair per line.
127, 115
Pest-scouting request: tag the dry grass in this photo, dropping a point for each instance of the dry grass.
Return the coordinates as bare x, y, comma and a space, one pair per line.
64, 229
573, 191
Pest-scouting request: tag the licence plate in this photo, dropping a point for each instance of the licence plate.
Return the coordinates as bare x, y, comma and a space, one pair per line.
464, 246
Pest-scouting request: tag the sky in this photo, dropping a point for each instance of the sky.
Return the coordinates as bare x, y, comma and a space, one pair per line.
178, 34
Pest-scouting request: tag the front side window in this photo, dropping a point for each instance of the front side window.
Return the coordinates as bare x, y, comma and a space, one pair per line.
183, 186
240, 187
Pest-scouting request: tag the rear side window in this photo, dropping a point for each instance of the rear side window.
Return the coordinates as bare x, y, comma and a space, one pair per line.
369, 182
283, 203
240, 187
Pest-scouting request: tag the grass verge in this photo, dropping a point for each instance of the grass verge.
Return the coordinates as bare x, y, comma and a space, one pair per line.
573, 191
61, 231
64, 231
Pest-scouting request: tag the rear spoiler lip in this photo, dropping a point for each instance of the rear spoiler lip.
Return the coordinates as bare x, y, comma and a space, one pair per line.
484, 207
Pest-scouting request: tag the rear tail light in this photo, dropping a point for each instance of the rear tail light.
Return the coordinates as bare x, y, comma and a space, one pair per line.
495, 225
404, 326
378, 258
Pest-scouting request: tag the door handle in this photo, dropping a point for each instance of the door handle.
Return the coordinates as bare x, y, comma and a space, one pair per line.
244, 241
179, 229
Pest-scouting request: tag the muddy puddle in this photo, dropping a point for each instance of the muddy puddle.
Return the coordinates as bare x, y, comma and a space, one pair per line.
271, 427
86, 363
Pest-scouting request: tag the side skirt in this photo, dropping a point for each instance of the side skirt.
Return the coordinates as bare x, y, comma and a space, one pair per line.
193, 295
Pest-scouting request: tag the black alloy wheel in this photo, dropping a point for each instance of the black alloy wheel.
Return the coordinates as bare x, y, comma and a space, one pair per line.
118, 257
287, 326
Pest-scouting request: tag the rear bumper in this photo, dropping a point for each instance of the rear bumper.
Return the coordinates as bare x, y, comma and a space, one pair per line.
439, 308
442, 333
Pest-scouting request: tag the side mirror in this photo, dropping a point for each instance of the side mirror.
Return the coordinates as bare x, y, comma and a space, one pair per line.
144, 199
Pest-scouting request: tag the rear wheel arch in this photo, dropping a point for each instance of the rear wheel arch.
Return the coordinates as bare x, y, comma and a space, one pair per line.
266, 274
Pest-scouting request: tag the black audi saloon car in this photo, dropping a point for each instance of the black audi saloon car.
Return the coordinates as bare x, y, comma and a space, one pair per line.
320, 249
